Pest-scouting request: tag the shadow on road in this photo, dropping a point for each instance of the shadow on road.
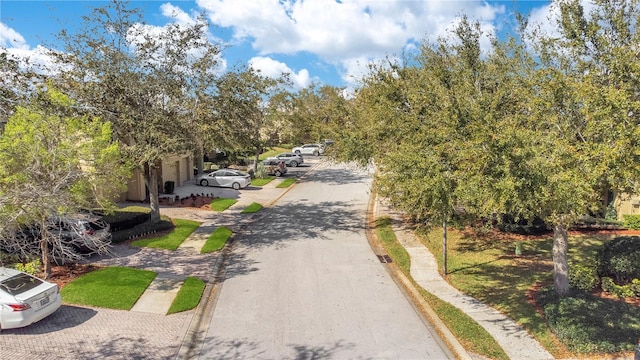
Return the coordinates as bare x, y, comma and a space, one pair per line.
246, 349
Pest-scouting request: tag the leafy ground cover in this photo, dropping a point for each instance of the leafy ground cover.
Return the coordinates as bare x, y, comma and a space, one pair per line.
170, 241
221, 204
113, 287
252, 208
188, 296
216, 240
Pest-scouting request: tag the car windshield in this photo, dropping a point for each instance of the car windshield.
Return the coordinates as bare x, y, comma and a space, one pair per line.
20, 283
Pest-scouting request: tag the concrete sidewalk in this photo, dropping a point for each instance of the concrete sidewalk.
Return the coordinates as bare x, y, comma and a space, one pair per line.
513, 339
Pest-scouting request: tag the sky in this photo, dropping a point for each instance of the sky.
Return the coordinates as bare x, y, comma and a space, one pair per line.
326, 42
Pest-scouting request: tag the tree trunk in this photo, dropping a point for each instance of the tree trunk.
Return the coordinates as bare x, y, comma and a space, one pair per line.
560, 263
255, 160
151, 180
44, 257
200, 157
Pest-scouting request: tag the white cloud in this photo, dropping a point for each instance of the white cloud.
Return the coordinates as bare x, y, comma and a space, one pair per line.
274, 69
10, 38
344, 33
176, 13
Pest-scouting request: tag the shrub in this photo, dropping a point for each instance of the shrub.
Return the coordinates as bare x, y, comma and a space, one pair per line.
587, 324
33, 267
632, 221
143, 229
620, 259
261, 172
621, 291
583, 278
511, 224
128, 217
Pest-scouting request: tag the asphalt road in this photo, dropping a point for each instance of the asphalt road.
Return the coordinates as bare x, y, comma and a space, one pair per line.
302, 282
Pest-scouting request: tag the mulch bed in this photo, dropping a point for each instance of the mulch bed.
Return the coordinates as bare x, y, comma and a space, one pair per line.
64, 274
199, 201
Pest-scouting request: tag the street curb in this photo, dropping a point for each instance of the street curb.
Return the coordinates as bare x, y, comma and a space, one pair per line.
409, 288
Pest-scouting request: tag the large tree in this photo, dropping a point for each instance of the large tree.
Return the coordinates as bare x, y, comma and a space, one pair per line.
316, 110
246, 111
501, 133
139, 78
53, 162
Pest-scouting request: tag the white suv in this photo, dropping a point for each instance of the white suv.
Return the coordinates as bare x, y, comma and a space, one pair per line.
308, 149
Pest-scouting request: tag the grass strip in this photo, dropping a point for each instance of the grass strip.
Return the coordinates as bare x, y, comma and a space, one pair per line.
253, 208
113, 288
262, 181
286, 183
221, 204
188, 296
172, 240
216, 240
471, 335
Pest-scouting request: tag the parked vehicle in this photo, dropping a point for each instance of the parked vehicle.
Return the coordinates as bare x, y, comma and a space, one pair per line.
274, 166
68, 235
86, 233
25, 299
225, 178
309, 149
291, 159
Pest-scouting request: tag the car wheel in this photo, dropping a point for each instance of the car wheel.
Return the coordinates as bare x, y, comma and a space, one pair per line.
204, 182
293, 163
235, 186
315, 153
297, 151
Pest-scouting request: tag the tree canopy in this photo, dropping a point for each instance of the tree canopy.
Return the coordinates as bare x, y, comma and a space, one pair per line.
54, 162
456, 130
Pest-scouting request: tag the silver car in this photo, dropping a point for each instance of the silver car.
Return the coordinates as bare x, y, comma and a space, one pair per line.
25, 299
225, 178
308, 149
291, 159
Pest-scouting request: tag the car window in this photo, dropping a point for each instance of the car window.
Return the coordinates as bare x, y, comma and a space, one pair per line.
20, 283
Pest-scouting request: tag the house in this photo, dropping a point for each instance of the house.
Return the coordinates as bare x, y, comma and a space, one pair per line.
626, 204
176, 168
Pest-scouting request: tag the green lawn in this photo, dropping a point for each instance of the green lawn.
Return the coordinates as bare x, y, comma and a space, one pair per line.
263, 181
471, 335
113, 288
216, 240
286, 183
252, 208
172, 240
487, 269
188, 296
221, 204
273, 152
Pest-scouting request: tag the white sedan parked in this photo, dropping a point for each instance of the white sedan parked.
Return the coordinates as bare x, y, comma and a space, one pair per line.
225, 178
25, 299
